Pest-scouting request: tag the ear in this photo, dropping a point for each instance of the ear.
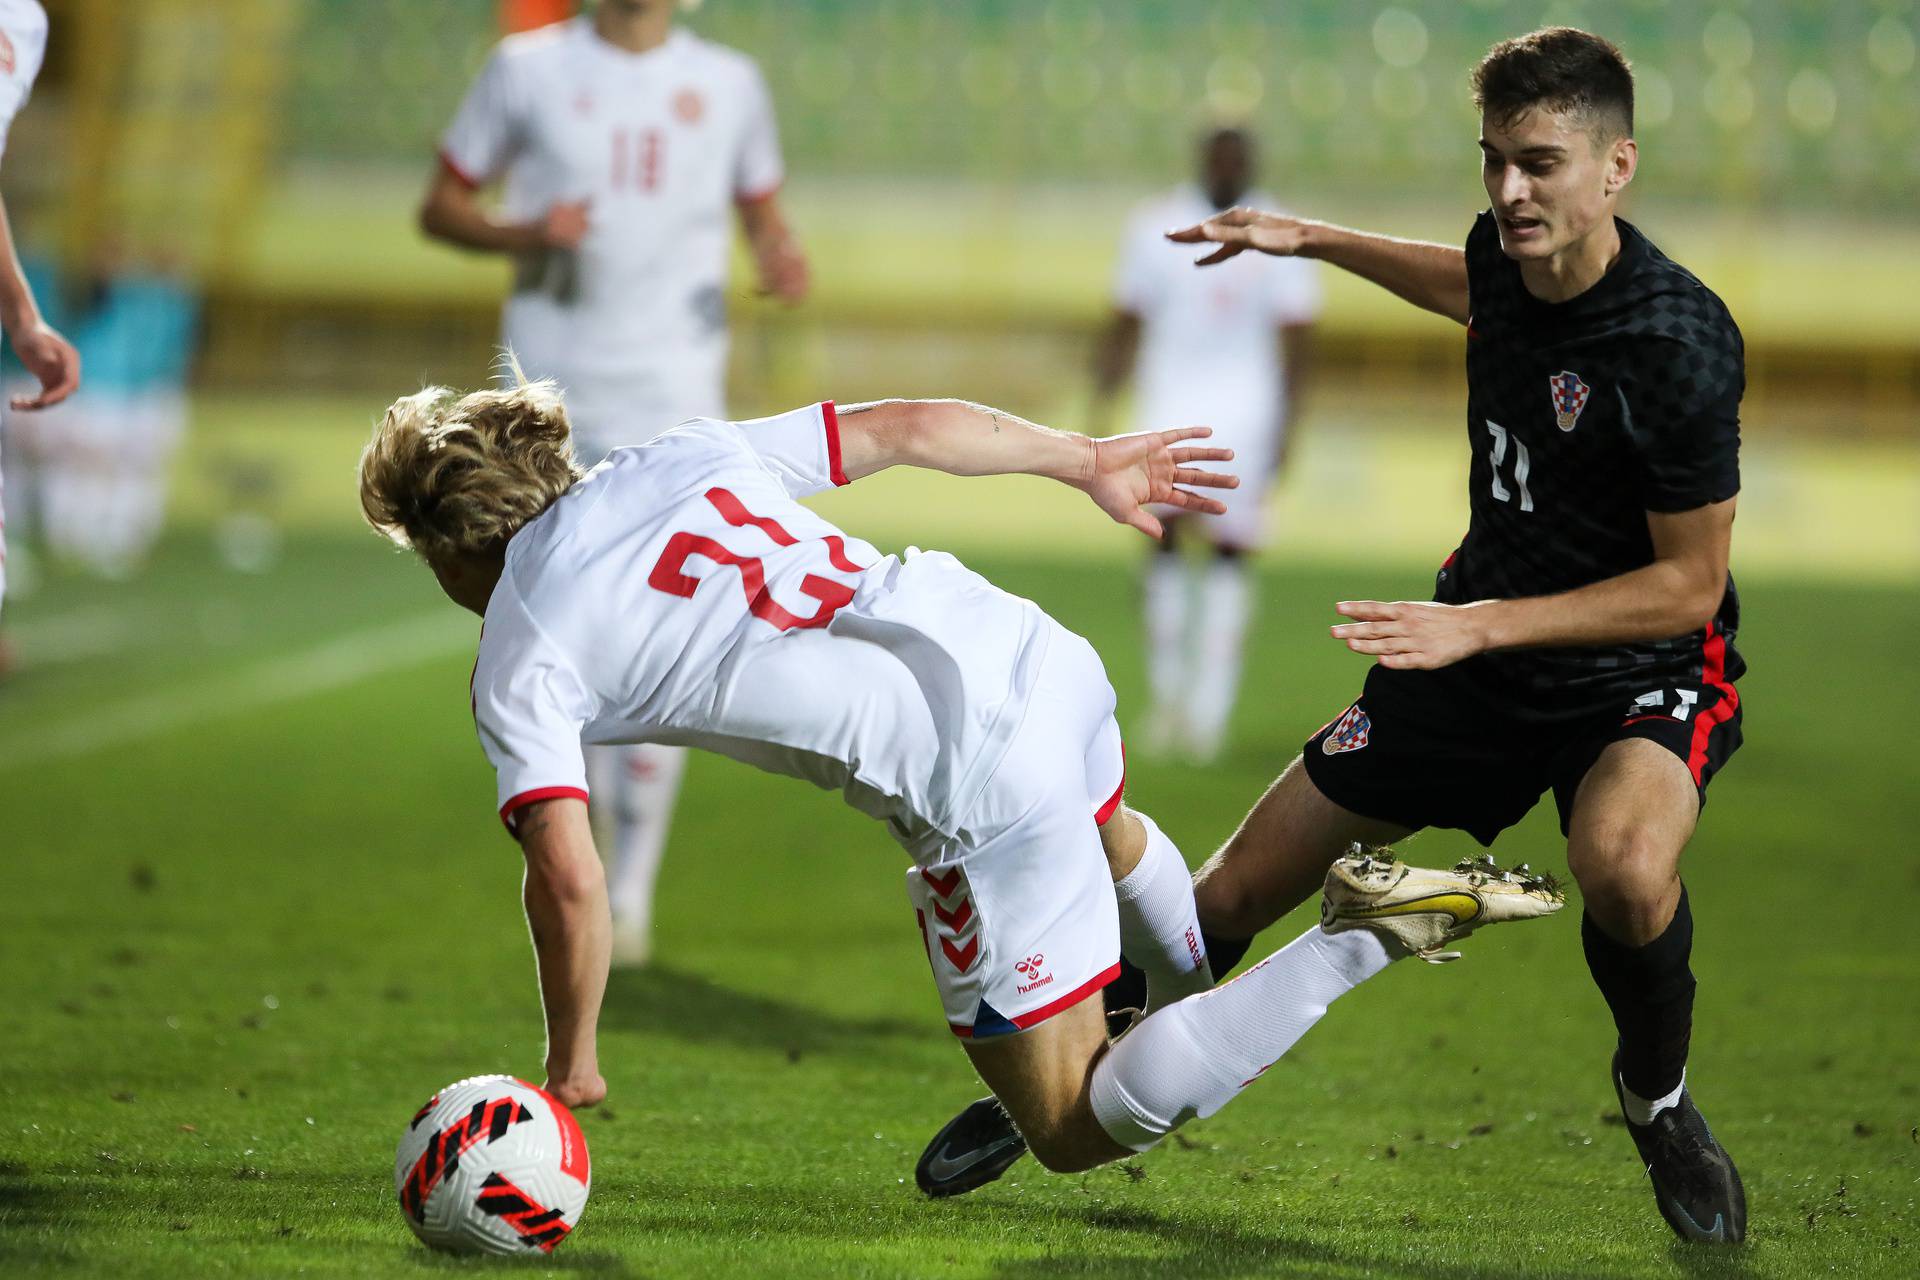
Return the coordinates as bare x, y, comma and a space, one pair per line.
1622, 160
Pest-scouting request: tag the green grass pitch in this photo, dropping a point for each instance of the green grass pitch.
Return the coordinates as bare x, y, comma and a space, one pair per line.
257, 908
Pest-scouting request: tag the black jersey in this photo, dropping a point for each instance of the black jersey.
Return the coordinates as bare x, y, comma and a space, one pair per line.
1583, 416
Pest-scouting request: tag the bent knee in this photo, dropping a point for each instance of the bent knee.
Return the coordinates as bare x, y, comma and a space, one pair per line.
1065, 1149
1628, 877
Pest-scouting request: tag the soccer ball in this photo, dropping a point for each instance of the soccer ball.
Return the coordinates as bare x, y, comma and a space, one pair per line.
492, 1165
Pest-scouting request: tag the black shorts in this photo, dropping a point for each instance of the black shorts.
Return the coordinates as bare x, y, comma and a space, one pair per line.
1439, 749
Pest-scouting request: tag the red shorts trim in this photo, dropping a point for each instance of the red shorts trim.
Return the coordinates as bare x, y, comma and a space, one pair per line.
1714, 672
831, 417
466, 179
1027, 1021
526, 798
1107, 810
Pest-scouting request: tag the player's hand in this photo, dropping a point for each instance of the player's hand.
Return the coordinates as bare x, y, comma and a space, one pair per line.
1126, 473
783, 269
1243, 228
1412, 635
50, 358
565, 225
576, 1088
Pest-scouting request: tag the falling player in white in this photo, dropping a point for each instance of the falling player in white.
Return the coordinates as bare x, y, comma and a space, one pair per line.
1230, 352
680, 592
46, 355
625, 146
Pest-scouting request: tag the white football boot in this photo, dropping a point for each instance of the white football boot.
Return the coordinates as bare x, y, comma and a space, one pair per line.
1424, 909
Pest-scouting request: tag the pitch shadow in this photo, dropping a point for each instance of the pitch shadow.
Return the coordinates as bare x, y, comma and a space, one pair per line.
689, 1007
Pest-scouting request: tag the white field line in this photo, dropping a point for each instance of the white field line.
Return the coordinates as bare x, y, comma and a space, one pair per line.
335, 664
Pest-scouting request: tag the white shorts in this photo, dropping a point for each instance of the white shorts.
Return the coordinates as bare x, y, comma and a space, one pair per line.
1017, 913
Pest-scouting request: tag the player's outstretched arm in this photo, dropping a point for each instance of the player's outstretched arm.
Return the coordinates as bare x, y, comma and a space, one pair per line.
566, 901
1430, 276
1674, 596
1122, 474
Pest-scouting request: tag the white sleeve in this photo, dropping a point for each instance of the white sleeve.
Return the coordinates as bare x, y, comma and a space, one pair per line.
23, 38
801, 447
485, 131
1295, 296
757, 170
1134, 285
529, 706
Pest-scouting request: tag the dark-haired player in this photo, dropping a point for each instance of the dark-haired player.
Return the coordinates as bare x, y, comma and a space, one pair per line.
1580, 639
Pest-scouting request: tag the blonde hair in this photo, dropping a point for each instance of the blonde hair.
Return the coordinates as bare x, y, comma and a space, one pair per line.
453, 475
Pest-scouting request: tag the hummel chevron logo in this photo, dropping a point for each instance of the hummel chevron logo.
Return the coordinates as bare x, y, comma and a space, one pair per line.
962, 957
942, 885
956, 921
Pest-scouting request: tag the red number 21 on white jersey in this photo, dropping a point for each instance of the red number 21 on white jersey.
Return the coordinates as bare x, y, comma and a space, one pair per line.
670, 572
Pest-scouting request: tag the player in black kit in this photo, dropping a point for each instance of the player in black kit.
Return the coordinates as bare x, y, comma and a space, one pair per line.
1581, 637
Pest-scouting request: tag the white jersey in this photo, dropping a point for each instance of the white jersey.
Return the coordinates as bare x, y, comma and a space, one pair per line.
662, 143
23, 43
680, 594
1209, 347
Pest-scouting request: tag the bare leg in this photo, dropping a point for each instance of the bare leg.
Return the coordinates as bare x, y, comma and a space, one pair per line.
1280, 855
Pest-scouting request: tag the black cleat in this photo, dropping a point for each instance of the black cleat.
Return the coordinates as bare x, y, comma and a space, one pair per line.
1694, 1182
977, 1146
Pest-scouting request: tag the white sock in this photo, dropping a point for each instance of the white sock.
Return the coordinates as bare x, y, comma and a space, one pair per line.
1193, 1057
644, 790
1642, 1110
1226, 599
1166, 631
1159, 925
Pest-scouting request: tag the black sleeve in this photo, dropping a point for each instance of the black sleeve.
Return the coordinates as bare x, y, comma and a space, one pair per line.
1683, 406
1482, 250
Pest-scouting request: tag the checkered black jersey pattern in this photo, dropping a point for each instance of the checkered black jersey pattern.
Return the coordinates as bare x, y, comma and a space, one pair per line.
1582, 417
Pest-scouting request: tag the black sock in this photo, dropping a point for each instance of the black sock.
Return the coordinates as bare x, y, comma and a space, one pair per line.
1129, 990
1650, 991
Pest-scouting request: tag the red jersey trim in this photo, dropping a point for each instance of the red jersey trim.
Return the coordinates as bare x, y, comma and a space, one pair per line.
831, 417
466, 179
1107, 810
526, 798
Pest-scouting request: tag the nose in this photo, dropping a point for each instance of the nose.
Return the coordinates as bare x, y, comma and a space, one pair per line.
1513, 188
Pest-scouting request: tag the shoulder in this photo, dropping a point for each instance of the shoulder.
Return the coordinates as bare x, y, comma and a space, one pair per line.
1483, 240
1689, 346
544, 49
714, 59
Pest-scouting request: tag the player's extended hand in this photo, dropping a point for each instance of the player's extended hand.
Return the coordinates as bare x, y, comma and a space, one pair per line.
565, 225
1243, 228
1126, 473
576, 1088
50, 358
1412, 635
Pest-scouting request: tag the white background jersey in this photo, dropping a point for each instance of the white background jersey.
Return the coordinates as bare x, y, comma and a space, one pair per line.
1209, 346
662, 143
680, 594
23, 42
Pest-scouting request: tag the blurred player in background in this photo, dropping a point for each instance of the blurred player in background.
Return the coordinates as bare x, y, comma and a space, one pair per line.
623, 143
1229, 351
99, 462
46, 355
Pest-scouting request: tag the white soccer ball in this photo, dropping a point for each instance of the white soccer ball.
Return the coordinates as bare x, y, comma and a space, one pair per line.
492, 1164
